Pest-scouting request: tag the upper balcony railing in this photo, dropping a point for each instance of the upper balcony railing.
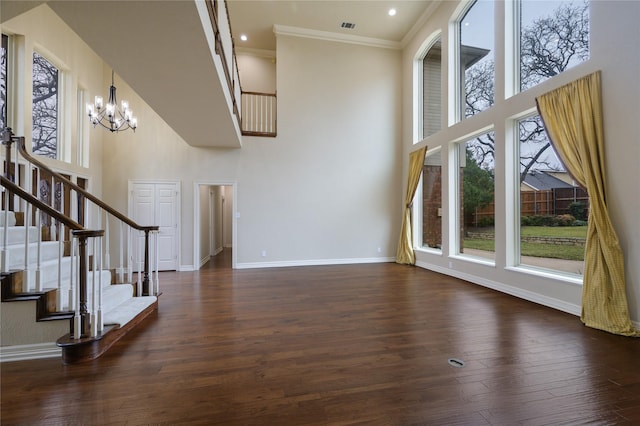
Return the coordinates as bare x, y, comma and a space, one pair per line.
256, 112
225, 48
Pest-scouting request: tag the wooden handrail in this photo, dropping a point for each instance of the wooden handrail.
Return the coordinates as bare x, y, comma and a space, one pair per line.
80, 190
273, 95
213, 16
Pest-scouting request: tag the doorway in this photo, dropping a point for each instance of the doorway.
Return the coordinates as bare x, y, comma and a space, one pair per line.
214, 224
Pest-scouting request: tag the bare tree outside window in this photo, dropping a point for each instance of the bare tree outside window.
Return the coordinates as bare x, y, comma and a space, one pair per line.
45, 107
552, 43
476, 58
552, 40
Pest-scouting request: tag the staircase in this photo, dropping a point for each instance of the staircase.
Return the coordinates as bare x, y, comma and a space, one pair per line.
59, 294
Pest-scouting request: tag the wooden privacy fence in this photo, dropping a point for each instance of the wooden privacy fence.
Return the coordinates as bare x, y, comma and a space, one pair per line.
552, 202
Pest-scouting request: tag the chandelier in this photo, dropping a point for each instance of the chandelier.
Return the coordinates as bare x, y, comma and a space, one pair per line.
110, 116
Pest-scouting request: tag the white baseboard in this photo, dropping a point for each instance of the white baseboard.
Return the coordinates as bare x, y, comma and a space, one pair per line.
540, 299
27, 352
186, 268
218, 251
204, 260
313, 262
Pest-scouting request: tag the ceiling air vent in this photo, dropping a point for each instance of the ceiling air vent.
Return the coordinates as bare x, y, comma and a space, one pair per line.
348, 25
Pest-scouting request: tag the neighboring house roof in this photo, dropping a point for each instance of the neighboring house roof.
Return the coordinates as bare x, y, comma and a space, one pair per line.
541, 181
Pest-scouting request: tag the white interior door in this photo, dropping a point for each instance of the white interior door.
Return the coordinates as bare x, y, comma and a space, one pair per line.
156, 203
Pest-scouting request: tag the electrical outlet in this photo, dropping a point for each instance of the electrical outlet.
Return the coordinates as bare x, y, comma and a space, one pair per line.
450, 265
379, 249
264, 253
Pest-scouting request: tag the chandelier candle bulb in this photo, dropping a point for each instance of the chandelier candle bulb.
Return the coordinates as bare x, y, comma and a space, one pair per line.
99, 102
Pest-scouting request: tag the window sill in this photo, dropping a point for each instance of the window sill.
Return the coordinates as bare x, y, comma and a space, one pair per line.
474, 259
548, 273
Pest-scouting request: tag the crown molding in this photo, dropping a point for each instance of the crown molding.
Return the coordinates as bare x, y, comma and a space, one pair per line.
262, 53
420, 23
337, 37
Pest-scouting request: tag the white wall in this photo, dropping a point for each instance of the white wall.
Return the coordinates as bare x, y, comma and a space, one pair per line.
614, 50
326, 190
257, 72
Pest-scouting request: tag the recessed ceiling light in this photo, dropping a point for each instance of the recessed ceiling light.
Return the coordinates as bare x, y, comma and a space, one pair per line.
243, 37
392, 12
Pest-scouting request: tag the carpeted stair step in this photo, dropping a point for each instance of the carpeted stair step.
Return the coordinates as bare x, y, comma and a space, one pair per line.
128, 310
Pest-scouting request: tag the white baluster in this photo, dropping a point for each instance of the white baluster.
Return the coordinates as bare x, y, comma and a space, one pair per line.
5, 242
139, 260
152, 259
157, 238
76, 319
100, 325
121, 251
52, 195
26, 274
39, 239
130, 255
60, 255
94, 291
107, 256
72, 276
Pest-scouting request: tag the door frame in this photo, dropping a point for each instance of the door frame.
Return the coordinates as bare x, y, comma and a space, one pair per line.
177, 184
196, 219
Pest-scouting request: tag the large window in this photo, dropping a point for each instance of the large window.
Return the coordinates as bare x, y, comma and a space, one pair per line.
432, 200
510, 172
554, 36
45, 107
476, 60
82, 135
476, 171
4, 67
432, 90
553, 208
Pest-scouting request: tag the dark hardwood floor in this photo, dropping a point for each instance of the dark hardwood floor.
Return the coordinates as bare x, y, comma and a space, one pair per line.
353, 344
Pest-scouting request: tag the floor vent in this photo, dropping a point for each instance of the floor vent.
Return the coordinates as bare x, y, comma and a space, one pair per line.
455, 362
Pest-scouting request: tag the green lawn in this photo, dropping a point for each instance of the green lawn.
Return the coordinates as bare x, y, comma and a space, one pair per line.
552, 251
540, 250
554, 231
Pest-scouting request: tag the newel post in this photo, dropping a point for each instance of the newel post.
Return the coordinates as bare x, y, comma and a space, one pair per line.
7, 140
145, 278
83, 280
146, 288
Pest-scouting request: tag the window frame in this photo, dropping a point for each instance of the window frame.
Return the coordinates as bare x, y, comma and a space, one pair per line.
59, 102
455, 236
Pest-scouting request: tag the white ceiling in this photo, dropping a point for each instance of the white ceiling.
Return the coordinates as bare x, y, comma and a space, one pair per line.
256, 18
